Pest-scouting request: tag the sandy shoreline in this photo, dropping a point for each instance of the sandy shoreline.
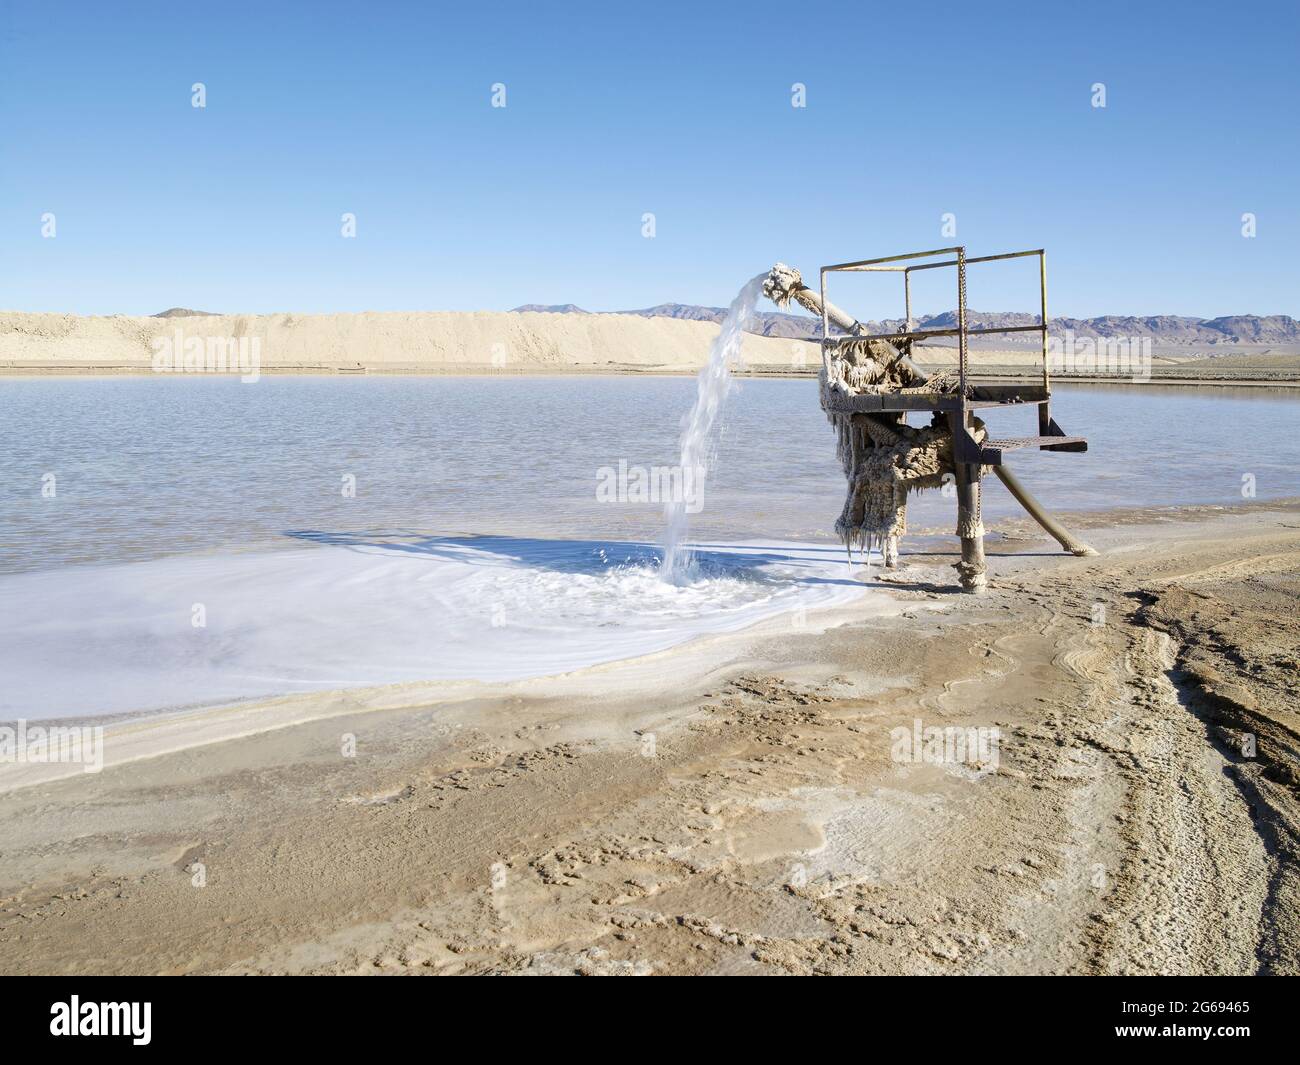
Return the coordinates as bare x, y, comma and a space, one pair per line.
534, 827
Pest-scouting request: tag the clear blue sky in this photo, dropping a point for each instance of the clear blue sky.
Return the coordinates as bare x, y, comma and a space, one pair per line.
982, 110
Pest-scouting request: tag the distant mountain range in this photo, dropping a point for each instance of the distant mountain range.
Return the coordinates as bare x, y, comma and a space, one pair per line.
1231, 331
1236, 329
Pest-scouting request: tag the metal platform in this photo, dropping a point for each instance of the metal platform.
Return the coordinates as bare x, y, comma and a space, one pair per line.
905, 386
969, 396
981, 396
991, 450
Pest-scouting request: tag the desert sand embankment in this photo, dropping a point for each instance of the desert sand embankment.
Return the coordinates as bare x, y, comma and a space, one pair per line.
493, 342
417, 341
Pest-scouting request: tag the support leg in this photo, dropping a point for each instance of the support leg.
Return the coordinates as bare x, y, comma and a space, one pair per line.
971, 570
1054, 528
889, 548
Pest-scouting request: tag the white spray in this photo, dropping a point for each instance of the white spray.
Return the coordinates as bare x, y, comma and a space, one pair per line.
698, 441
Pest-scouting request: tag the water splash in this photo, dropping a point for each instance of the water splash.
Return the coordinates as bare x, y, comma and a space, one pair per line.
698, 441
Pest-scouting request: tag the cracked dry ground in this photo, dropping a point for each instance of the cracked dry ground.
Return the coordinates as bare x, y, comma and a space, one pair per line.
753, 823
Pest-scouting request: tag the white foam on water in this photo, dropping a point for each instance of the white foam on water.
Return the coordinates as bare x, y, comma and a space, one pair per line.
362, 611
698, 441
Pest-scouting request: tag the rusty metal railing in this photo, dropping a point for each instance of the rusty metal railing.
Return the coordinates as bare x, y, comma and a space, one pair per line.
963, 333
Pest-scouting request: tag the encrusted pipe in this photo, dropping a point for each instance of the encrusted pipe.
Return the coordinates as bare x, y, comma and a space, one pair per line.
1058, 531
785, 283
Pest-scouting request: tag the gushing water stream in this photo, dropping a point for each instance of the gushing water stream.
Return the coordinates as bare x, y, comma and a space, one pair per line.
699, 440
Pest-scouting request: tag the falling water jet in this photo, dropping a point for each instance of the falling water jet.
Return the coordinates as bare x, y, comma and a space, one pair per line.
698, 441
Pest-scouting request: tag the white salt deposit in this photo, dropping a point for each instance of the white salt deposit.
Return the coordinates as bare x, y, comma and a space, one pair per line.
352, 612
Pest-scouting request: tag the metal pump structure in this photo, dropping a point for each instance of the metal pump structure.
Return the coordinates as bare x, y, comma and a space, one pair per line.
869, 385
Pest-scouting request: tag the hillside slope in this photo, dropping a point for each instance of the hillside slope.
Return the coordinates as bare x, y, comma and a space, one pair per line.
419, 341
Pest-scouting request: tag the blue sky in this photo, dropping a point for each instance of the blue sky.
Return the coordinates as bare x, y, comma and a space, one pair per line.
981, 110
